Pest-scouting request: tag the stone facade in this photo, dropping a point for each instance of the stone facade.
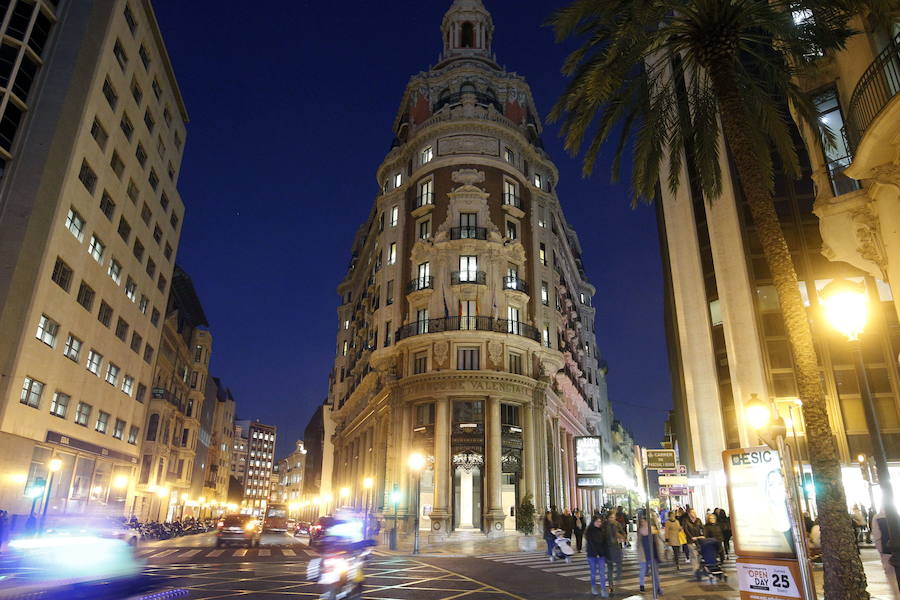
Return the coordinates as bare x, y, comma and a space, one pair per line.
466, 331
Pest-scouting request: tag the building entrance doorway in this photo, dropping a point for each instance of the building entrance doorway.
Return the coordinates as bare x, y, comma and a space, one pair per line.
467, 491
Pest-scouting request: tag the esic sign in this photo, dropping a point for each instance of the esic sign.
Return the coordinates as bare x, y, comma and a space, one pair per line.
755, 457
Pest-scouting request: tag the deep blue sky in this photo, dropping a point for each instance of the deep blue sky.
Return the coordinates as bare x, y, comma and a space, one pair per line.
291, 104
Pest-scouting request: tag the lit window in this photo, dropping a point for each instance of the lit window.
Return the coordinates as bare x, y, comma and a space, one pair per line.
398, 180
509, 155
72, 349
115, 270
59, 405
131, 289
537, 180
427, 154
75, 224
96, 248
395, 215
119, 429
344, 349
112, 374
32, 390
392, 253
47, 330
133, 435
128, 384
545, 294
102, 422
93, 362
542, 254
83, 413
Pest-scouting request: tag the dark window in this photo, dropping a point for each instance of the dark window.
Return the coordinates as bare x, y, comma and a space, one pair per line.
121, 329
129, 18
136, 92
151, 267
509, 414
9, 124
153, 179
148, 354
154, 317
173, 220
515, 363
104, 315
126, 126
107, 206
39, 33
164, 201
25, 77
124, 229
149, 121
86, 296
62, 274
18, 21
120, 55
141, 393
110, 92
420, 363
138, 250
146, 214
161, 283
8, 56
467, 36
136, 342
168, 252
133, 193
87, 176
141, 154
468, 359
152, 427
145, 58
117, 165
157, 234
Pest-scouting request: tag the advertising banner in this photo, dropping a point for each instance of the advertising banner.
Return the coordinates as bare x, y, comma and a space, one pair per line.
759, 513
588, 458
762, 579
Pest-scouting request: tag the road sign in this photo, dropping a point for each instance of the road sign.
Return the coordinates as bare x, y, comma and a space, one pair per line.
672, 480
664, 491
679, 470
679, 490
659, 459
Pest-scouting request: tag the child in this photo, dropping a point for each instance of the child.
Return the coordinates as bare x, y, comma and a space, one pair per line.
563, 546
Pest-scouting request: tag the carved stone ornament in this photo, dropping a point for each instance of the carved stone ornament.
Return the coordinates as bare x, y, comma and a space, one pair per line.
441, 352
467, 176
867, 234
495, 351
468, 460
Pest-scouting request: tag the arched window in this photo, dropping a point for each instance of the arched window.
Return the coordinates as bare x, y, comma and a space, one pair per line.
467, 36
152, 426
467, 88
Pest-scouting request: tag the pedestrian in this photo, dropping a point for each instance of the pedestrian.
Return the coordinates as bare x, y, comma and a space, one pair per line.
646, 552
549, 526
693, 528
596, 542
725, 522
859, 522
870, 515
568, 523
674, 536
879, 532
713, 530
614, 539
579, 528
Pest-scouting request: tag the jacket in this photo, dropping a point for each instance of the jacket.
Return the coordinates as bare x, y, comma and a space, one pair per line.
613, 532
692, 529
714, 530
596, 541
673, 528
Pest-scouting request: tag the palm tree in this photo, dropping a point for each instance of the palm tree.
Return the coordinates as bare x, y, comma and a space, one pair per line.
676, 76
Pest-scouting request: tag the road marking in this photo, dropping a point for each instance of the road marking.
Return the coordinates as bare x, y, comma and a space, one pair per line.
215, 553
164, 553
240, 552
288, 552
265, 553
191, 553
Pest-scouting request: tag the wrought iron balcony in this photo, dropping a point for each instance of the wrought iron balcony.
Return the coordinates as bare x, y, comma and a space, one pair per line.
461, 277
468, 233
424, 199
878, 85
468, 324
512, 200
514, 283
420, 283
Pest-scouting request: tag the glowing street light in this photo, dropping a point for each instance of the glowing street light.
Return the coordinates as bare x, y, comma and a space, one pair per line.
846, 307
345, 493
757, 413
120, 482
53, 466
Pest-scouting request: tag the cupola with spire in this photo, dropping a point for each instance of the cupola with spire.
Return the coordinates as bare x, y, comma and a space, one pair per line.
467, 30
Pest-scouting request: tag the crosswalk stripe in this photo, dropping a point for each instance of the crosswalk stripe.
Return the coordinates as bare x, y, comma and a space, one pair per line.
288, 552
215, 553
191, 553
164, 553
240, 552
265, 553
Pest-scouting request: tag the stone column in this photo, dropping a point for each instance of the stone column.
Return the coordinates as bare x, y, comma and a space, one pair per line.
528, 454
493, 514
407, 485
440, 512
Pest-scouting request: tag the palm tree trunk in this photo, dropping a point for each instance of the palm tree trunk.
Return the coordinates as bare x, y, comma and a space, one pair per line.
844, 575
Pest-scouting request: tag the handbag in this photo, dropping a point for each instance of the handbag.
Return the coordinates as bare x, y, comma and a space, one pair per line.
682, 538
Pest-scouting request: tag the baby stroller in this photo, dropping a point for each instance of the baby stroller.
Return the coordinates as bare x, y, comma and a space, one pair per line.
710, 567
562, 548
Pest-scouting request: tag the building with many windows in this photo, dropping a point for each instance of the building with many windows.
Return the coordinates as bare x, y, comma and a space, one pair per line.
289, 488
258, 451
726, 333
172, 433
465, 330
218, 462
91, 140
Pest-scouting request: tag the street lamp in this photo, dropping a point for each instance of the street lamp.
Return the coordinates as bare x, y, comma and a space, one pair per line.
54, 465
367, 484
416, 464
345, 493
846, 306
771, 429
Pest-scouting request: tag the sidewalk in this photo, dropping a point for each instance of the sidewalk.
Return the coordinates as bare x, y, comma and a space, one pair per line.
478, 546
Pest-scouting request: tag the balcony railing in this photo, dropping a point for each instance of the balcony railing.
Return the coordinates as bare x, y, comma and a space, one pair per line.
512, 200
420, 283
461, 277
424, 199
468, 233
514, 283
878, 84
468, 324
840, 183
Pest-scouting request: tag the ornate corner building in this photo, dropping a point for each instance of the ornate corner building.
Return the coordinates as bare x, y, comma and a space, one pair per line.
466, 330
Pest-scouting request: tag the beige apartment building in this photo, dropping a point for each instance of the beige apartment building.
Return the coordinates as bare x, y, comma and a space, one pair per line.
289, 489
172, 429
257, 463
91, 141
465, 330
215, 485
726, 334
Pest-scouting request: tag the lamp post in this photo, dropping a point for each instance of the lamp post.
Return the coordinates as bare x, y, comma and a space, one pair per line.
53, 466
772, 431
846, 307
797, 403
416, 464
367, 484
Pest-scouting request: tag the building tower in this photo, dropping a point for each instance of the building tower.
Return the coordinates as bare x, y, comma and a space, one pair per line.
91, 140
466, 330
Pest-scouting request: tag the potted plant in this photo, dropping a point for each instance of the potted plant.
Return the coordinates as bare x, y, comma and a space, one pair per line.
525, 525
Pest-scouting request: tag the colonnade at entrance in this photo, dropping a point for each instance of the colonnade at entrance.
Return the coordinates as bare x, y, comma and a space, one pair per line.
483, 455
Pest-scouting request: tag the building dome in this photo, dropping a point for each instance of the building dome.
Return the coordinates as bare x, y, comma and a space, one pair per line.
467, 31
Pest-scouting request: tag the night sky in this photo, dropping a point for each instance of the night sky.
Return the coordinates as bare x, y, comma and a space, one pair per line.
290, 106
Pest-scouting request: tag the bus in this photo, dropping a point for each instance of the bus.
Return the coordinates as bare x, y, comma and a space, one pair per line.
276, 518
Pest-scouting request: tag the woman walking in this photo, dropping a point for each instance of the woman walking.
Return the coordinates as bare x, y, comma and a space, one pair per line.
674, 536
714, 530
725, 523
614, 539
579, 528
646, 552
549, 526
597, 547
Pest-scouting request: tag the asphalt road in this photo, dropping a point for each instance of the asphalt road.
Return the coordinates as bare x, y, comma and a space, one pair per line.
201, 548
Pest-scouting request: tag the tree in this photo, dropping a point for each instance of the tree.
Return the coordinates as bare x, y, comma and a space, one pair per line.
525, 516
674, 77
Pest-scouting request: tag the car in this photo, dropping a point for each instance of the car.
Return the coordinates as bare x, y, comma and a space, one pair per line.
302, 528
238, 529
291, 526
318, 529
